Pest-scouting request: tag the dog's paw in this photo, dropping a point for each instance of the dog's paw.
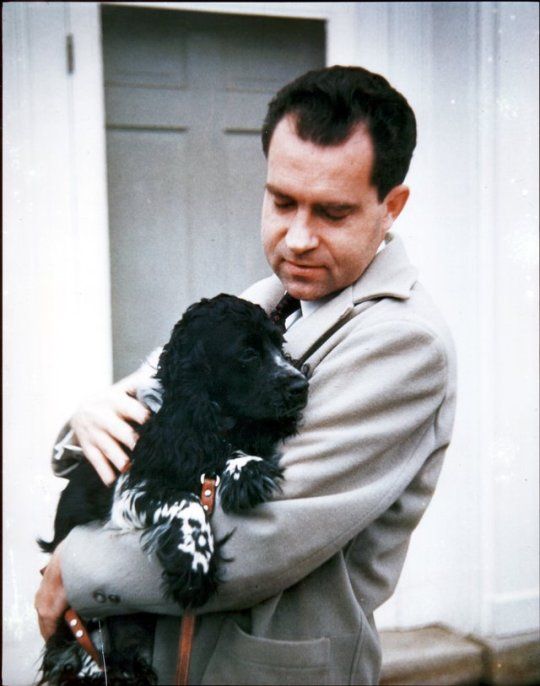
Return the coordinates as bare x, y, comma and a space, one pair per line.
248, 480
184, 545
191, 588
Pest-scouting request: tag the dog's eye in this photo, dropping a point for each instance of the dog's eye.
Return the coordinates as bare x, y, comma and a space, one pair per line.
248, 356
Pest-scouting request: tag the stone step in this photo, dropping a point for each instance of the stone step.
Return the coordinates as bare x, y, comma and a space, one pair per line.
438, 655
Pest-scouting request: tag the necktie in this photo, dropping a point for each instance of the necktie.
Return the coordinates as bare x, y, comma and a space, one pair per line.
286, 306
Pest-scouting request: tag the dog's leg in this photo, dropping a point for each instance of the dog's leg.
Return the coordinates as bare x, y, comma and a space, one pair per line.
177, 530
248, 480
181, 538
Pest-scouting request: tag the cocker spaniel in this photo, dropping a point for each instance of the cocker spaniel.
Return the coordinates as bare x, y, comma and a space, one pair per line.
230, 396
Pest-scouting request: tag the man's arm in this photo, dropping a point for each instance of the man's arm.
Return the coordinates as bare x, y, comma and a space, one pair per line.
97, 431
369, 427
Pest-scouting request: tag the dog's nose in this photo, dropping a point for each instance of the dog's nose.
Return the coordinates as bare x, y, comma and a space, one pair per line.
298, 386
297, 390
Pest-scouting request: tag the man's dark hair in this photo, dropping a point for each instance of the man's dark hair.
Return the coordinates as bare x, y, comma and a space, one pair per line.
330, 103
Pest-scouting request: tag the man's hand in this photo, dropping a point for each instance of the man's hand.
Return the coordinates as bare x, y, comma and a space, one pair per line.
51, 601
101, 426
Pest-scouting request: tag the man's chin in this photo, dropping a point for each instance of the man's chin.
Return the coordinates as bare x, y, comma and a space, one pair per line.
305, 291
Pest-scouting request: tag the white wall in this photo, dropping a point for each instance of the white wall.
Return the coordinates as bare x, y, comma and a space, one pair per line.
470, 70
56, 281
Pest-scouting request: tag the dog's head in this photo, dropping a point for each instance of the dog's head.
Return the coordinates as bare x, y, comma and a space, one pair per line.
230, 351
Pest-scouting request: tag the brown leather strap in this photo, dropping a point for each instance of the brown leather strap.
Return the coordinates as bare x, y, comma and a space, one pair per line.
78, 629
184, 648
187, 629
75, 623
208, 493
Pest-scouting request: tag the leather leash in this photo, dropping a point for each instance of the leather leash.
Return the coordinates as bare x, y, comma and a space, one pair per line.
187, 630
76, 624
79, 631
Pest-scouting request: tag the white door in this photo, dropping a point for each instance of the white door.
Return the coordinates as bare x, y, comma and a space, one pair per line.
186, 94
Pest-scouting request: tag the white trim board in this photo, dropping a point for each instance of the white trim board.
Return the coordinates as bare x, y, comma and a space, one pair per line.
307, 10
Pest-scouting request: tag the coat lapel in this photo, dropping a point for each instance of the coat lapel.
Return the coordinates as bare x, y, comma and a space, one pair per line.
390, 275
305, 333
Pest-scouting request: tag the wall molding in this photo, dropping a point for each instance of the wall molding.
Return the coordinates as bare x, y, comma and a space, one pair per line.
486, 156
307, 10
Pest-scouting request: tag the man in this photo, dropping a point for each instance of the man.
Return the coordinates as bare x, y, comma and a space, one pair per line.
310, 567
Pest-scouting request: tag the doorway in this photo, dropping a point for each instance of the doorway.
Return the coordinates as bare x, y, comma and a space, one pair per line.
186, 93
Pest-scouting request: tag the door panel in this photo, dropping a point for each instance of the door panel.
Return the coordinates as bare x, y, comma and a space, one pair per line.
186, 94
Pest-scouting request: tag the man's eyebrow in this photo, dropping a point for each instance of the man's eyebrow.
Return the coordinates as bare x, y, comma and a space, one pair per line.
275, 191
338, 206
330, 205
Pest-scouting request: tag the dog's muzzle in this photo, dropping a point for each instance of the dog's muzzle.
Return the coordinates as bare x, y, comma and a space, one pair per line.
294, 392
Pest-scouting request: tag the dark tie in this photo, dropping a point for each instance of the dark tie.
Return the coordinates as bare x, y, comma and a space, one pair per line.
286, 306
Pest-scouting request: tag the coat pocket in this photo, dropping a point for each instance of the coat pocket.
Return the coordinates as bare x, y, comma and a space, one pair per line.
240, 658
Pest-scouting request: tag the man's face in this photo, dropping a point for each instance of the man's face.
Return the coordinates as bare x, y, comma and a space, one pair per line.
321, 220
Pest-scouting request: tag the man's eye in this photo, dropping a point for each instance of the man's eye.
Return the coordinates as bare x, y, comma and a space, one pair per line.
333, 216
283, 204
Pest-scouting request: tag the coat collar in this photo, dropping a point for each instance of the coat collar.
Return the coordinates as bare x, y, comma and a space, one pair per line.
390, 275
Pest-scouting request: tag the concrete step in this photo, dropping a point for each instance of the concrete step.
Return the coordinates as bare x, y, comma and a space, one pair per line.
436, 655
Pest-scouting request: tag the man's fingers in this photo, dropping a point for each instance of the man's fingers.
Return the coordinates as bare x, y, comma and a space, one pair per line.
118, 429
129, 383
132, 409
99, 462
111, 450
102, 427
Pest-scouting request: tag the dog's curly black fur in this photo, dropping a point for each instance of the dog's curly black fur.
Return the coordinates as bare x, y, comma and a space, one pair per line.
230, 395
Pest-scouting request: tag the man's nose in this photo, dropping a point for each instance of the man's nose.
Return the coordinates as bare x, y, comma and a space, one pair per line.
300, 238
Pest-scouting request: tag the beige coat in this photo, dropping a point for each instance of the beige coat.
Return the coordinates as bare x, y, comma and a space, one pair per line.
311, 566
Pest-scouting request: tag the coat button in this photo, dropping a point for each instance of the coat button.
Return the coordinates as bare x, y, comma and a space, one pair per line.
114, 598
99, 597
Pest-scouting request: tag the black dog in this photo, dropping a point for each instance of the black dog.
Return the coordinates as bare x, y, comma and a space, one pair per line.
230, 395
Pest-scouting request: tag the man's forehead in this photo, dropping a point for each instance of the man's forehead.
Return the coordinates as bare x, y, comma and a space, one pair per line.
359, 137
336, 171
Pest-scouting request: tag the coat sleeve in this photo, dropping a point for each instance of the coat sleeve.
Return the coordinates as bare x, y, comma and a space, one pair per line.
369, 427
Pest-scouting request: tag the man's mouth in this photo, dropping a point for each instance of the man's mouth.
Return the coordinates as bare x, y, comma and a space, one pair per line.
298, 268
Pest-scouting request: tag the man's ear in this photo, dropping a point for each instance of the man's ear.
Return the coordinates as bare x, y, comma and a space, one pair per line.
394, 202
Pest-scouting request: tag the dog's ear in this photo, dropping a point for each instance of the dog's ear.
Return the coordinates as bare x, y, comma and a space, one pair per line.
183, 362
196, 384
204, 416
185, 373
